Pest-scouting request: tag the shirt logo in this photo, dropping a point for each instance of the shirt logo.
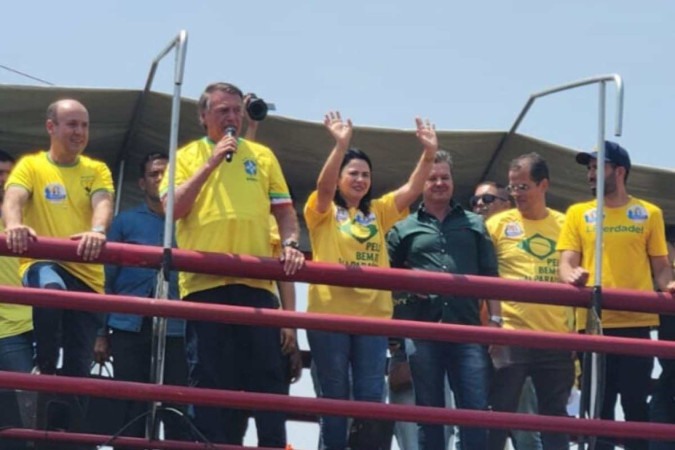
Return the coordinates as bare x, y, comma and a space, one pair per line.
590, 216
87, 183
637, 213
538, 246
341, 215
513, 229
55, 193
361, 233
364, 220
250, 167
361, 228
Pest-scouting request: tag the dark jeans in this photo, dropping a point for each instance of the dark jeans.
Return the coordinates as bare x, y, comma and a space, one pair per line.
16, 352
237, 357
662, 409
552, 373
16, 355
132, 353
468, 370
662, 405
630, 377
53, 328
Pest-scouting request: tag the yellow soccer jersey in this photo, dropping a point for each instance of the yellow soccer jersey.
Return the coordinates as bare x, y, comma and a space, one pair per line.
631, 234
348, 237
275, 239
60, 203
14, 319
526, 250
231, 212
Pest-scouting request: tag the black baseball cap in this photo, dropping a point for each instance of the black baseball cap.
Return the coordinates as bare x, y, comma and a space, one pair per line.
614, 154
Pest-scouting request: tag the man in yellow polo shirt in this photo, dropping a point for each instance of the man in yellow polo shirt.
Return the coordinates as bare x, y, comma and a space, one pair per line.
226, 187
525, 242
634, 249
61, 193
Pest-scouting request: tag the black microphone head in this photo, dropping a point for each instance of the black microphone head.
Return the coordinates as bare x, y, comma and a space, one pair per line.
230, 131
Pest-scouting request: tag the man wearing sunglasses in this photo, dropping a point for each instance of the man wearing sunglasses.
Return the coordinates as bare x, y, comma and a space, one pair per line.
525, 243
489, 199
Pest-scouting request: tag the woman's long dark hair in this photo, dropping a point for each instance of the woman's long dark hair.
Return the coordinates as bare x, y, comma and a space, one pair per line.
364, 204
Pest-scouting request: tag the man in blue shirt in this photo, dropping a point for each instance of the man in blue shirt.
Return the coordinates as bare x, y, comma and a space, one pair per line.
130, 338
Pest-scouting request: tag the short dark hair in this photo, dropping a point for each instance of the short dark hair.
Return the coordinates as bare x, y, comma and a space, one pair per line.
53, 111
149, 158
220, 86
443, 156
501, 189
6, 157
364, 204
538, 166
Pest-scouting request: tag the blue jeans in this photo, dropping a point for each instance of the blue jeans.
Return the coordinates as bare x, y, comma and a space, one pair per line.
75, 331
16, 352
334, 354
467, 368
237, 357
16, 355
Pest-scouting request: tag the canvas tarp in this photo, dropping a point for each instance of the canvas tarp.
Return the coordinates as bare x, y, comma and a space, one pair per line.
300, 146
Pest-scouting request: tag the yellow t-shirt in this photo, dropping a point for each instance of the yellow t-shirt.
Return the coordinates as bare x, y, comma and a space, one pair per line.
347, 237
526, 250
631, 234
275, 238
231, 212
14, 319
60, 203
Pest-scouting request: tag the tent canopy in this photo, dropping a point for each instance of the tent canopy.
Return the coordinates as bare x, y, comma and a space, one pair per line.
127, 124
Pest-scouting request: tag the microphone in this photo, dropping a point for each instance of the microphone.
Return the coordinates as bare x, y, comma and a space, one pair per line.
229, 131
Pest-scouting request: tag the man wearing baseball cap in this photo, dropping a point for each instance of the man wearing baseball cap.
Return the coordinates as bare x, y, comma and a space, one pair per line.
634, 250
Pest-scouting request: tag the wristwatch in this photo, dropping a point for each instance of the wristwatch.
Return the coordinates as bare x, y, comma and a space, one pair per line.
98, 229
499, 320
290, 243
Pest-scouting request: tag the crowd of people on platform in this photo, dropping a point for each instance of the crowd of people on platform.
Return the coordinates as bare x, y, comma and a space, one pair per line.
231, 197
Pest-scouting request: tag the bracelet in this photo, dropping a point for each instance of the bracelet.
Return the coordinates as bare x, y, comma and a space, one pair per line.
290, 243
98, 229
499, 320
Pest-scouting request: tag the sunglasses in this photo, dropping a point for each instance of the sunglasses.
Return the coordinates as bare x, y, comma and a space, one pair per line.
486, 198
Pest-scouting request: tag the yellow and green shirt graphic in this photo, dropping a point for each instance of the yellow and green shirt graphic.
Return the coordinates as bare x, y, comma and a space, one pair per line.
526, 250
347, 236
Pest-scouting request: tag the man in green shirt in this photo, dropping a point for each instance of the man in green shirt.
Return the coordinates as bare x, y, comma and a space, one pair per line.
442, 237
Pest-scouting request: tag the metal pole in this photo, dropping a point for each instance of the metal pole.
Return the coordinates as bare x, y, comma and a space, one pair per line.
120, 182
164, 276
595, 362
618, 118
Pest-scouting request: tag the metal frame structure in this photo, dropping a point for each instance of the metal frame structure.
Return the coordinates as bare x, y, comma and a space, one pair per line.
159, 324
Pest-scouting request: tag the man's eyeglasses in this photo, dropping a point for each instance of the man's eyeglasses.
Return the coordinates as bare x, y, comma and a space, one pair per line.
486, 198
513, 188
